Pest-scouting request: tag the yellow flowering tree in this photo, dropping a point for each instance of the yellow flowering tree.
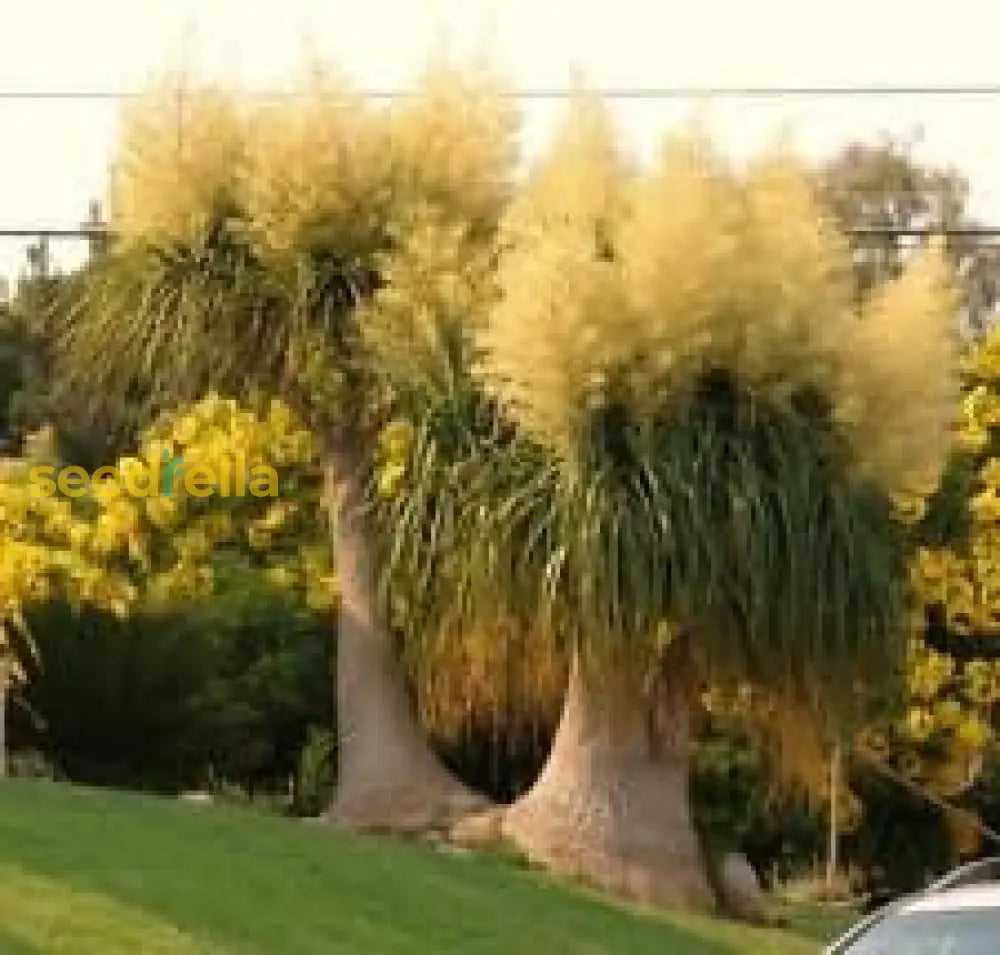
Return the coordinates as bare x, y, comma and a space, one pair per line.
106, 546
109, 546
953, 658
48, 550
213, 505
278, 519
174, 541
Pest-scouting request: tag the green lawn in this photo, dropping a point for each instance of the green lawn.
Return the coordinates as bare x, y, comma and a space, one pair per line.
99, 873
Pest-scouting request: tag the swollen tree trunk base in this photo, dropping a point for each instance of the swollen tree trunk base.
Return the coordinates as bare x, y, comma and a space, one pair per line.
407, 809
619, 839
611, 806
389, 778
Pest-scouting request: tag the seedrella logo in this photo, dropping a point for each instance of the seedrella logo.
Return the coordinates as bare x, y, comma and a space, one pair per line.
232, 479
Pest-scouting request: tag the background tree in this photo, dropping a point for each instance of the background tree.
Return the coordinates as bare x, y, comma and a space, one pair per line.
31, 399
881, 187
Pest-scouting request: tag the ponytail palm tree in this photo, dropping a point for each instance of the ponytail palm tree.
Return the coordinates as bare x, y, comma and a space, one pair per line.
691, 481
269, 247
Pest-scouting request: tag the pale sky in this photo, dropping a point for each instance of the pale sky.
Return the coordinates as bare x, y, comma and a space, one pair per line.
54, 153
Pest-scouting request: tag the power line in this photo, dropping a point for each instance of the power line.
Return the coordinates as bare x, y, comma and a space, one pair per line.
561, 93
927, 233
970, 232
46, 233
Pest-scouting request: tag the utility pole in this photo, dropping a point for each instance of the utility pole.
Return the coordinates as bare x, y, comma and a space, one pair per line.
38, 258
94, 227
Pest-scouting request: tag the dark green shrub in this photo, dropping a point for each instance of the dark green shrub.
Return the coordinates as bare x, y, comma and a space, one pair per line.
111, 699
271, 678
224, 688
314, 780
737, 809
901, 842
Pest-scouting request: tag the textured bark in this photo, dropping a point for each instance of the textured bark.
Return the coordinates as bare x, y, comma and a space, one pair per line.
388, 776
611, 805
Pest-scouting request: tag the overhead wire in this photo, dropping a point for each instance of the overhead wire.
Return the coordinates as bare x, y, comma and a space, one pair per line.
560, 93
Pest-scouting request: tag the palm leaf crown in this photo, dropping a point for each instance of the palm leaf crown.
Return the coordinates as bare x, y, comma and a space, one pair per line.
710, 429
246, 236
638, 395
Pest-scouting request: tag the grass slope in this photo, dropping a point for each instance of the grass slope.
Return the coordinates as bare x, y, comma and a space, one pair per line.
87, 872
